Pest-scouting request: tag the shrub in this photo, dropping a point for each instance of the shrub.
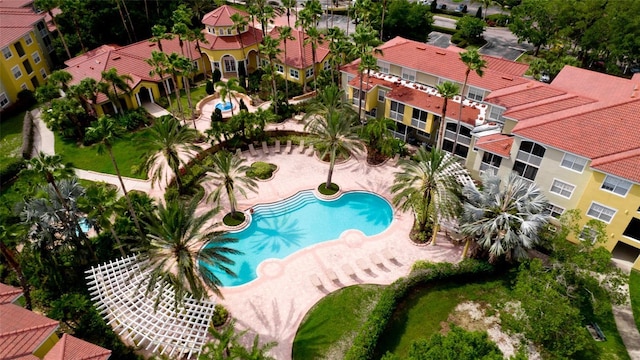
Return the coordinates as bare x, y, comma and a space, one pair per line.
10, 171
216, 75
458, 40
261, 170
133, 119
162, 101
209, 87
220, 315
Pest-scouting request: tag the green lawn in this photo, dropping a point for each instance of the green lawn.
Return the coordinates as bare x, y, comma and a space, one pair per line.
330, 326
634, 291
127, 151
197, 94
10, 139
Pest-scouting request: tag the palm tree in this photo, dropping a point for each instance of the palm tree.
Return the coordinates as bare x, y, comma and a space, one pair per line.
270, 48
379, 139
175, 256
188, 69
239, 25
173, 146
99, 203
384, 10
225, 340
116, 82
159, 33
503, 218
158, 62
124, 22
107, 131
230, 174
474, 62
256, 352
314, 38
289, 5
368, 62
429, 187
11, 256
332, 121
51, 167
60, 78
448, 90
48, 5
285, 35
174, 67
364, 38
227, 89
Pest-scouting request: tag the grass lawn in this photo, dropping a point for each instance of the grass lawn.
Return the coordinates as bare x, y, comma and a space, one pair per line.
330, 326
634, 291
126, 150
11, 139
197, 94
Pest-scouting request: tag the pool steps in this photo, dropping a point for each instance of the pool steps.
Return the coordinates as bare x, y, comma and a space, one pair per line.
297, 201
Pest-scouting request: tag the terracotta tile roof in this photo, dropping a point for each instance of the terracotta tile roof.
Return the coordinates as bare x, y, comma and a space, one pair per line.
607, 89
22, 331
130, 60
369, 82
72, 348
15, 23
232, 42
295, 48
446, 64
16, 3
527, 93
222, 16
498, 144
548, 106
625, 165
9, 294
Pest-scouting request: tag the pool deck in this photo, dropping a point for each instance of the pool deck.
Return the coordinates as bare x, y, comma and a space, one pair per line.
274, 304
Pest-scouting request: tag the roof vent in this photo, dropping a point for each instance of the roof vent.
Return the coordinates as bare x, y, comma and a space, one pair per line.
421, 47
507, 78
441, 52
116, 57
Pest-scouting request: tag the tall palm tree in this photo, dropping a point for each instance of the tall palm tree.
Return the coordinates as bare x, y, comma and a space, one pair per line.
116, 83
339, 46
11, 256
384, 10
124, 22
289, 5
285, 35
175, 256
448, 90
270, 47
158, 63
379, 138
503, 218
173, 146
256, 351
368, 62
228, 88
230, 174
314, 38
107, 131
48, 6
159, 33
364, 38
225, 339
188, 70
239, 25
474, 62
52, 168
429, 187
174, 67
99, 203
60, 78
332, 121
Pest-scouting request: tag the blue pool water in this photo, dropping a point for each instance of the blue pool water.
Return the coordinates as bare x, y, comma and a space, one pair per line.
278, 230
225, 106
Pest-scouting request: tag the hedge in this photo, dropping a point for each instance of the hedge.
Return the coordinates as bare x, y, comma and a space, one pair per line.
364, 345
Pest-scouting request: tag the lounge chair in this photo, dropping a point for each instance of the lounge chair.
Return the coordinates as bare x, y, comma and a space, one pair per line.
348, 270
389, 256
287, 150
396, 159
376, 260
239, 153
315, 280
301, 146
312, 150
332, 275
265, 148
252, 150
363, 265
277, 147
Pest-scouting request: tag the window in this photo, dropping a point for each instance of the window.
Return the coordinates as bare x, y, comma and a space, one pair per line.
326, 66
475, 94
229, 31
490, 163
229, 65
220, 31
28, 40
400, 132
463, 142
496, 113
356, 97
35, 82
381, 95
27, 66
633, 229
601, 212
23, 86
7, 53
562, 188
264, 62
383, 67
42, 28
588, 234
211, 30
419, 119
554, 210
43, 72
528, 159
409, 75
19, 49
294, 73
308, 73
397, 111
4, 101
47, 43
573, 162
36, 57
16, 72
280, 68
616, 185
216, 65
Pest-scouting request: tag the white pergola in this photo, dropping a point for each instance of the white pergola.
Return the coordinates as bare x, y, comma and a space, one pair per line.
118, 290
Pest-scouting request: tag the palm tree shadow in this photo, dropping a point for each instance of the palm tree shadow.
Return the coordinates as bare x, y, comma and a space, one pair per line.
275, 233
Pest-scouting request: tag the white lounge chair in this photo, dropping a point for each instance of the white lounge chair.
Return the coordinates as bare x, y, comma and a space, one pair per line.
287, 150
332, 275
348, 270
301, 146
265, 148
389, 256
277, 147
315, 280
252, 150
311, 150
376, 260
396, 159
363, 265
239, 153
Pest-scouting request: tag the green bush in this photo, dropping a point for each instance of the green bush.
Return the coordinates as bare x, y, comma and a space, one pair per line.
10, 171
162, 101
133, 119
459, 40
220, 315
209, 87
216, 75
261, 170
364, 345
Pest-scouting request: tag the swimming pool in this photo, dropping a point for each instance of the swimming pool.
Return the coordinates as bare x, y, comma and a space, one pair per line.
279, 229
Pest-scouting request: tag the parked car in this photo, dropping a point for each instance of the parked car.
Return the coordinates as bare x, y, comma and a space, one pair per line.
442, 7
461, 8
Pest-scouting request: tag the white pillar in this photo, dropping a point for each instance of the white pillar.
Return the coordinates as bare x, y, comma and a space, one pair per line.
138, 99
151, 96
115, 108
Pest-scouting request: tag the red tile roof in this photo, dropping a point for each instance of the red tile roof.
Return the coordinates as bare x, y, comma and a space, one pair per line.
9, 294
548, 106
498, 144
524, 94
232, 42
16, 3
295, 48
607, 89
22, 331
446, 64
15, 23
222, 16
72, 348
625, 165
